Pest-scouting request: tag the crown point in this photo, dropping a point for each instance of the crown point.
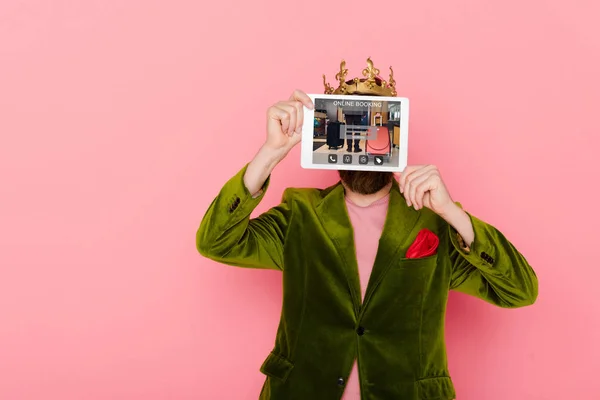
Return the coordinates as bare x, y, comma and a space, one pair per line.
328, 88
371, 84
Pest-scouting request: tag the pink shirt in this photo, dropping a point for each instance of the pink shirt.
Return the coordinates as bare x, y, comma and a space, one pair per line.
367, 223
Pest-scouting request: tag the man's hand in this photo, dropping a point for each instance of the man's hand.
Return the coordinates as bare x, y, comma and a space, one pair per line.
284, 122
422, 186
284, 131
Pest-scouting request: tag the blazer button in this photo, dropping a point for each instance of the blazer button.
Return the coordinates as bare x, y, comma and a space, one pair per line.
360, 331
340, 381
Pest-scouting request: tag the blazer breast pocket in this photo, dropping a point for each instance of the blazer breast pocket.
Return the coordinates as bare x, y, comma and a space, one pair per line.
420, 261
409, 277
416, 266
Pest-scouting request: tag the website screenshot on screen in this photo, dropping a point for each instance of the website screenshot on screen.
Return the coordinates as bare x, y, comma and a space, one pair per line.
356, 132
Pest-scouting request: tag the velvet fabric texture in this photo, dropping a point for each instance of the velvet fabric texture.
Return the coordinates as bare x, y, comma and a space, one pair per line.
397, 331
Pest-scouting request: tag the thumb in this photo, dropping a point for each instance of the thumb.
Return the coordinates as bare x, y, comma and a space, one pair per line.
292, 141
295, 139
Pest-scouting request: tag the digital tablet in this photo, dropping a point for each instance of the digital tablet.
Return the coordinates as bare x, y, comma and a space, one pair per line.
363, 133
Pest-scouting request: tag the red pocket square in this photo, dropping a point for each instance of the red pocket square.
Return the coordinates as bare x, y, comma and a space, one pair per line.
425, 245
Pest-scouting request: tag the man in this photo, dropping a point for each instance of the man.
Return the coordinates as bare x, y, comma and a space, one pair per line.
367, 266
359, 127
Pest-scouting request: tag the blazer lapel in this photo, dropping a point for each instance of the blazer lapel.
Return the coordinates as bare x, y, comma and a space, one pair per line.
333, 215
399, 222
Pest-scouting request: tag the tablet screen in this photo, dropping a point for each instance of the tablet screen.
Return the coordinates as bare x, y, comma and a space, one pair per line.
357, 132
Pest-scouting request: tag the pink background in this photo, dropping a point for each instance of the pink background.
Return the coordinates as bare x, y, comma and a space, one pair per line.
121, 120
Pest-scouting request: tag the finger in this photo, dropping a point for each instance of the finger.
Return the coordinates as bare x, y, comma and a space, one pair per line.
299, 95
299, 116
278, 119
406, 191
291, 110
406, 181
427, 200
412, 172
423, 188
296, 138
404, 175
415, 179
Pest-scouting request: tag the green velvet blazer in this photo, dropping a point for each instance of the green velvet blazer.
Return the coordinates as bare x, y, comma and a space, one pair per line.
397, 333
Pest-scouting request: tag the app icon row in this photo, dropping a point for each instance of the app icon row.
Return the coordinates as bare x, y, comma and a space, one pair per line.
347, 159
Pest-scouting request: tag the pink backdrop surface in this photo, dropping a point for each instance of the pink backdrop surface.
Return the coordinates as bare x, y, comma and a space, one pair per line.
120, 121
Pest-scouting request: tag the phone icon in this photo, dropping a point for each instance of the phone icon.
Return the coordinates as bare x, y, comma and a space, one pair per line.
332, 158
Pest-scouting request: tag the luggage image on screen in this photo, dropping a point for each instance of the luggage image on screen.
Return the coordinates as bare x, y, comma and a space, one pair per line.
378, 142
334, 141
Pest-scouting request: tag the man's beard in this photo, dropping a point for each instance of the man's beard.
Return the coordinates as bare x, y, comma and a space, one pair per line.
365, 182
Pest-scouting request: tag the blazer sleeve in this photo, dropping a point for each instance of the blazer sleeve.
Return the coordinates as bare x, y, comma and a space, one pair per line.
491, 268
228, 235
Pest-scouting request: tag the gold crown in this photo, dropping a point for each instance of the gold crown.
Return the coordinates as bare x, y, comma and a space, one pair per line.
371, 84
